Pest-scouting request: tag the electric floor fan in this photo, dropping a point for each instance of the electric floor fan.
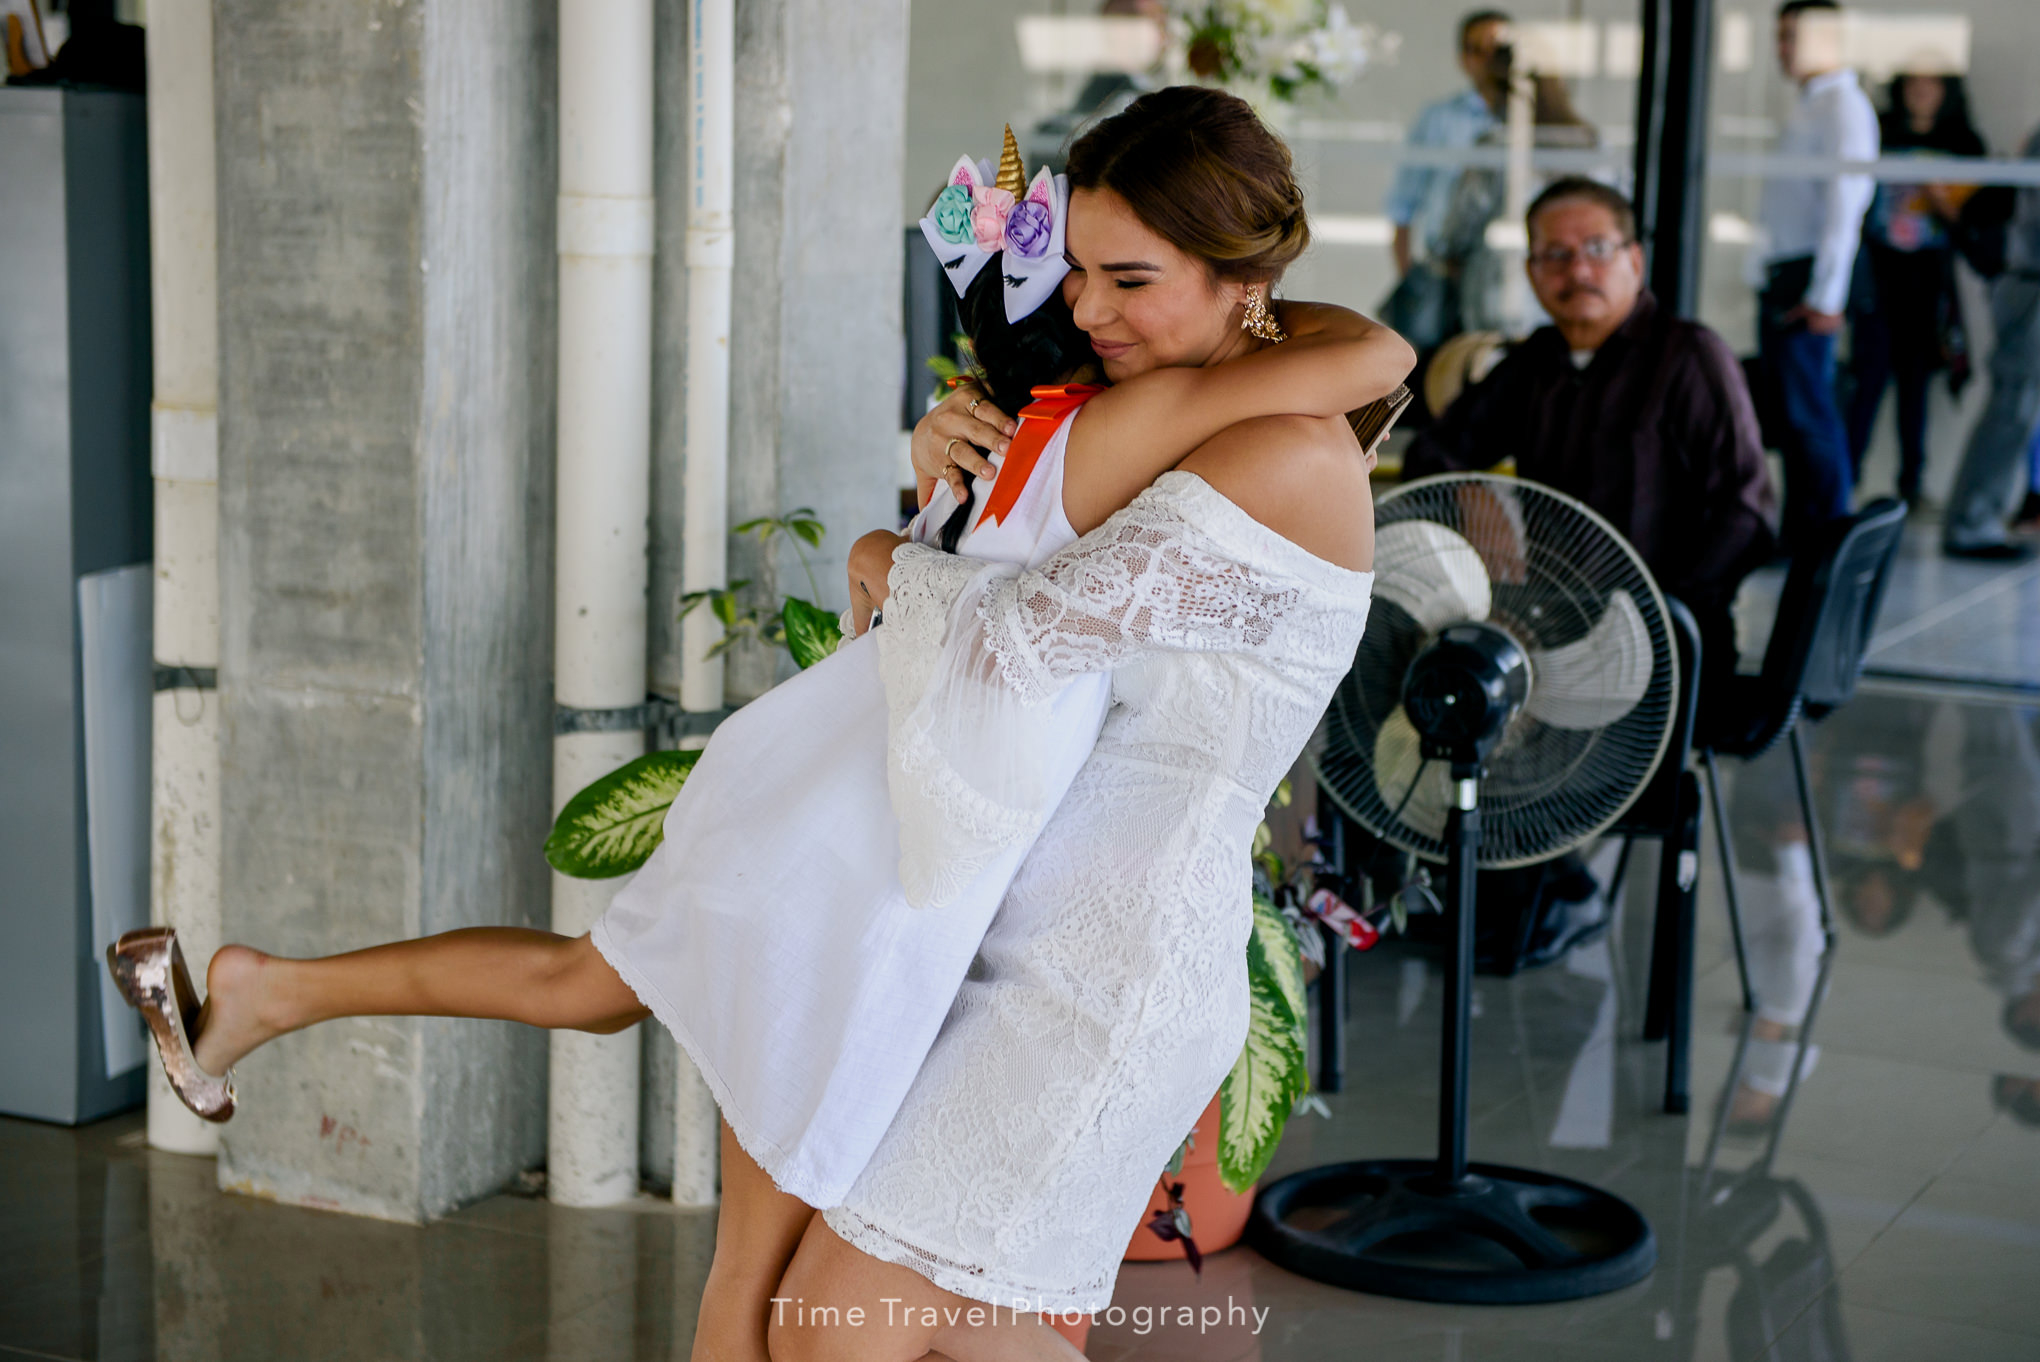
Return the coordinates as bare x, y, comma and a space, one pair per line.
1512, 696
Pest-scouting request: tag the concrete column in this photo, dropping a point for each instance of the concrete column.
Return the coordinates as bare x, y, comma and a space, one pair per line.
184, 861
821, 134
386, 206
815, 344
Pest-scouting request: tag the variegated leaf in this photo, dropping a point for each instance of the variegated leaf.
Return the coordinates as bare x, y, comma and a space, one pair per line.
1282, 953
1273, 1068
613, 826
812, 633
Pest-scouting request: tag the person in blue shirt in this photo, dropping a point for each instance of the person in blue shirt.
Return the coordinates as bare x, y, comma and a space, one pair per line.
1421, 198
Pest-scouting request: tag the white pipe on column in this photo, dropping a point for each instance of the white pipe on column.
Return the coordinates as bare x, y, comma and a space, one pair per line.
711, 257
184, 859
603, 497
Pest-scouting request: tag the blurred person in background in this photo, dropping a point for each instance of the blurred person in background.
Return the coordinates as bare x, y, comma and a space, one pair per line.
1994, 467
1812, 228
1906, 320
1425, 304
1480, 197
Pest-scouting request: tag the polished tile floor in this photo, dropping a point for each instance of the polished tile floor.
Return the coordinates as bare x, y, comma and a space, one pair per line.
1889, 1211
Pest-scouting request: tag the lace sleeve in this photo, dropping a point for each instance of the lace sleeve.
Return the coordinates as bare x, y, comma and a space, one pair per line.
996, 678
1148, 580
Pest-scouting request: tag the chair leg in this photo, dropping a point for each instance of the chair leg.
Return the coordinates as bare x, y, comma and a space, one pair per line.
1820, 990
1815, 844
1728, 881
1668, 1009
1678, 882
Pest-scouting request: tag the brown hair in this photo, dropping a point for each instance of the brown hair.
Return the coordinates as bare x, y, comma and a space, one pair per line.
1205, 175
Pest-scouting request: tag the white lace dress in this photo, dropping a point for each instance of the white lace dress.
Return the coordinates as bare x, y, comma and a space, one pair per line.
1109, 998
799, 952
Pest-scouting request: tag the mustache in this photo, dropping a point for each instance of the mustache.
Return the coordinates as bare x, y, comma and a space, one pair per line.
1571, 291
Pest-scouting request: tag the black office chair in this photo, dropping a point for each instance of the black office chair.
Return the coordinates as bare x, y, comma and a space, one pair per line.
1819, 638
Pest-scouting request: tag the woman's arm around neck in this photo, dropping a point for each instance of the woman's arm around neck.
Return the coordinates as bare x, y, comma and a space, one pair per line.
1333, 362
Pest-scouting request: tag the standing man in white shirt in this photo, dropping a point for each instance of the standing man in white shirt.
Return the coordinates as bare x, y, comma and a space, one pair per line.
1812, 230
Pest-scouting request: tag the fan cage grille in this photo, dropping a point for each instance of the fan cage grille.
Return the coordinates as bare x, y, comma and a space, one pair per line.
1553, 565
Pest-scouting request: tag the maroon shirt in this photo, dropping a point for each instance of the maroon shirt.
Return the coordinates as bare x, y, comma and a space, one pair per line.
1657, 433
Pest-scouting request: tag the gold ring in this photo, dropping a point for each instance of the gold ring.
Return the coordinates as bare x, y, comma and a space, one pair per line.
951, 445
972, 408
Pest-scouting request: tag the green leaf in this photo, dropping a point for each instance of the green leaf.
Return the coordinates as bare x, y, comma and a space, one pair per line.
809, 531
812, 633
613, 826
1273, 1068
1281, 955
763, 526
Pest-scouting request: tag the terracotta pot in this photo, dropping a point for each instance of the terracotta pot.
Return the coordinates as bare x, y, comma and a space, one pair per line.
1217, 1217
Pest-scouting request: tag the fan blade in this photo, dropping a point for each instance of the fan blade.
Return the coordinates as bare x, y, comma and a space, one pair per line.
1431, 572
1595, 681
1417, 793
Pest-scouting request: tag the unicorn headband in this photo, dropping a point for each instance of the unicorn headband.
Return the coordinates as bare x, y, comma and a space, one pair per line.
979, 214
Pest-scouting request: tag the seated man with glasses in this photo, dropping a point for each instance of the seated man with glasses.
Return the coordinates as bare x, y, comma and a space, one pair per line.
1641, 415
1647, 419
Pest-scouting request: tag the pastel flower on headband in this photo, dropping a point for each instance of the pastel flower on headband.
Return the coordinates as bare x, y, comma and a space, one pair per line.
951, 213
1028, 228
988, 217
980, 214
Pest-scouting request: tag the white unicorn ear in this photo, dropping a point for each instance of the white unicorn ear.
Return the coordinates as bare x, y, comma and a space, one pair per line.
1033, 264
1042, 190
947, 227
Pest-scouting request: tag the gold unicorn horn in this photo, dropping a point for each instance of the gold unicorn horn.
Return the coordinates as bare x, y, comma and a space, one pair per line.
1012, 175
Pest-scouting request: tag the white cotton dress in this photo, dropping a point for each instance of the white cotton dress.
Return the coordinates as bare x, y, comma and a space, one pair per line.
772, 931
1109, 998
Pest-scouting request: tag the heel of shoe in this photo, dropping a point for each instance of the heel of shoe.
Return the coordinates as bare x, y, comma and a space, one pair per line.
148, 968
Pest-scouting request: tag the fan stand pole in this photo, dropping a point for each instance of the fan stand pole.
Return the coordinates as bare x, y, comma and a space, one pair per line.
1451, 1230
1462, 836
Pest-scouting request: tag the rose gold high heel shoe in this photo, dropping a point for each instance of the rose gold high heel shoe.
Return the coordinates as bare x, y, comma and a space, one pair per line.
149, 969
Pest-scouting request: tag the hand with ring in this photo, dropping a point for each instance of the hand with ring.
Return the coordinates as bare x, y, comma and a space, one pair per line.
952, 442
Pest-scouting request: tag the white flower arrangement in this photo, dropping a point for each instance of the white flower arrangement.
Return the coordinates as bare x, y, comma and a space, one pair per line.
1288, 46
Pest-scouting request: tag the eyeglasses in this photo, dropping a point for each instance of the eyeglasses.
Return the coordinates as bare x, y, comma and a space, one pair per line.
1595, 250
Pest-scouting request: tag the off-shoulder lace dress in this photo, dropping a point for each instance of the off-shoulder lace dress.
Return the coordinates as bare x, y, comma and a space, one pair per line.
1109, 997
802, 955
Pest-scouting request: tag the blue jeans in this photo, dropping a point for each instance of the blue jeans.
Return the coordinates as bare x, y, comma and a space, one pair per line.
1987, 486
1819, 474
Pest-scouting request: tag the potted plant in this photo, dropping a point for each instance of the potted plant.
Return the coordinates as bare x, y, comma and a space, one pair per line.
613, 826
1203, 1198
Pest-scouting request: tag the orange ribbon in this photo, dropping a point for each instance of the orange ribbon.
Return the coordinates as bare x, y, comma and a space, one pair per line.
1039, 420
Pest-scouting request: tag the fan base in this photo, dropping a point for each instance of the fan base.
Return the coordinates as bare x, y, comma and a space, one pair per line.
1500, 1236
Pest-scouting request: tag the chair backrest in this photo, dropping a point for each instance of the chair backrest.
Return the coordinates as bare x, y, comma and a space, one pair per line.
1829, 609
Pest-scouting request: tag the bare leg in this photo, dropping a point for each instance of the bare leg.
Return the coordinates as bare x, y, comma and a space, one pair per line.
511, 973
905, 1317
757, 1228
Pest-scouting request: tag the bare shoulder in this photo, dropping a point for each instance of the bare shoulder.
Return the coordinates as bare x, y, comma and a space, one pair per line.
1304, 477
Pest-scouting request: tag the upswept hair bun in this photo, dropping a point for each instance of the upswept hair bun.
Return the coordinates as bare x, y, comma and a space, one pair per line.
1205, 174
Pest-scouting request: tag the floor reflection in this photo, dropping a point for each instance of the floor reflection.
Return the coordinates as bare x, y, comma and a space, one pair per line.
1859, 1179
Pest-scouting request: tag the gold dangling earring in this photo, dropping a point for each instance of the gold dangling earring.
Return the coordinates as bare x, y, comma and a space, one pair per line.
1258, 320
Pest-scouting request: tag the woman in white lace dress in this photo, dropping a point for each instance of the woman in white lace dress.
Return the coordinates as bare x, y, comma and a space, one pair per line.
731, 954
1109, 997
